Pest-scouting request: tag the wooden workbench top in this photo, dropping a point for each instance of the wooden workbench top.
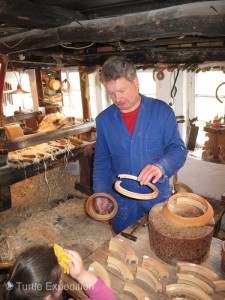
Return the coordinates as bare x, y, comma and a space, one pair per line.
142, 247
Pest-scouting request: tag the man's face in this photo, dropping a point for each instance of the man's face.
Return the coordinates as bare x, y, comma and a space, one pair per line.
124, 94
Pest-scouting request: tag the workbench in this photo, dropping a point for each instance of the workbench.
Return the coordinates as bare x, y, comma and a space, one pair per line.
83, 153
142, 247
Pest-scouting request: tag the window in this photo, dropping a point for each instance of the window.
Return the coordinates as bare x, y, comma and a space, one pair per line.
206, 104
147, 83
72, 102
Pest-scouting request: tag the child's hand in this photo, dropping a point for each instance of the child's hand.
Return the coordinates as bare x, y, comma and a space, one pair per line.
76, 265
77, 271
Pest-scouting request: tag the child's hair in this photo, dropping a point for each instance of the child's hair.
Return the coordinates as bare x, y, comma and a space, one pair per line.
34, 275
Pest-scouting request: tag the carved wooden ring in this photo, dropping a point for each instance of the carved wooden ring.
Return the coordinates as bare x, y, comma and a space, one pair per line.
194, 200
91, 211
133, 195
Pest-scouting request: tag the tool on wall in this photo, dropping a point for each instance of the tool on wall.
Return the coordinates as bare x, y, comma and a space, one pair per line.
193, 133
174, 88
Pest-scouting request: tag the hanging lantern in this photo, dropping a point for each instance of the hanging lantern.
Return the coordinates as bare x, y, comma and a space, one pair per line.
19, 90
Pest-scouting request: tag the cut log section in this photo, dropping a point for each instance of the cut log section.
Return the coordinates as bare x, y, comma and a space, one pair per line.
194, 281
101, 272
133, 195
121, 267
123, 249
173, 243
177, 289
137, 291
198, 270
155, 266
148, 277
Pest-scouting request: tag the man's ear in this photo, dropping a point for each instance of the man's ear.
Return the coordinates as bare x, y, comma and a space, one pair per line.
136, 82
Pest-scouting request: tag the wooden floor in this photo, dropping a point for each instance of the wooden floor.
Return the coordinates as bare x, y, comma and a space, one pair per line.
142, 247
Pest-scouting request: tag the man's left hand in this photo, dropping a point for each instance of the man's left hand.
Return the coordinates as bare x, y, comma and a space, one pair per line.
149, 172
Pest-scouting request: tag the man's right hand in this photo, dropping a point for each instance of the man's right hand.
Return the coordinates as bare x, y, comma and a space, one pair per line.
103, 205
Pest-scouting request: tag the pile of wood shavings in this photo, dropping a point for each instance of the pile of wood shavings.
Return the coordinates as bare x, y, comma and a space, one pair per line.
66, 224
46, 208
55, 121
36, 154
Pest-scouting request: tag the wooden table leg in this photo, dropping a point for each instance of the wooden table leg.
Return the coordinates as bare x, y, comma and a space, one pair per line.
86, 167
5, 198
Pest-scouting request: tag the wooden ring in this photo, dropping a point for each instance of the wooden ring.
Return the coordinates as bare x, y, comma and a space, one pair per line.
192, 199
133, 195
91, 211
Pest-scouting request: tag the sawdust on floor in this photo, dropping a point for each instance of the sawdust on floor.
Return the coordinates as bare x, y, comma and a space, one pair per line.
47, 209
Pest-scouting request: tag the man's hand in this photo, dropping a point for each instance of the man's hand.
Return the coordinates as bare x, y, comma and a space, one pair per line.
103, 205
149, 172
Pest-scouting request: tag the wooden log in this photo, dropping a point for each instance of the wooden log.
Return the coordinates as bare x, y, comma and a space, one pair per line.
44, 15
172, 242
202, 19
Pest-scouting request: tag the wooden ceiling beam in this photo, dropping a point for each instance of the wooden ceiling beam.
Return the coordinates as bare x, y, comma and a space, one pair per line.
147, 57
195, 19
31, 14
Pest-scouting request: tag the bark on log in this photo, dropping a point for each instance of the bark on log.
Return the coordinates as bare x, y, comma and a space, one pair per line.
201, 19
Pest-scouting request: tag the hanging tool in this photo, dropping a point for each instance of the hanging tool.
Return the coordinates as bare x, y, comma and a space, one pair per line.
193, 133
174, 88
130, 236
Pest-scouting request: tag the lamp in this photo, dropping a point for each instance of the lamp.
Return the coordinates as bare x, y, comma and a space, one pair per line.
19, 90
